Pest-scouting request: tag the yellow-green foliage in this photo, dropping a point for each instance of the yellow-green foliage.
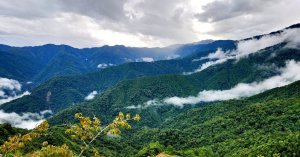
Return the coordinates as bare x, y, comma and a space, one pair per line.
14, 143
85, 132
88, 130
53, 151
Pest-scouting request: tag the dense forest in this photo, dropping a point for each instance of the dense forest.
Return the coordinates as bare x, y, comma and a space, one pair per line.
266, 124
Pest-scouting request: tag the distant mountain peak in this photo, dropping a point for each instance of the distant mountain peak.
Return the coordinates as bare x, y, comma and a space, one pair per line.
294, 26
207, 41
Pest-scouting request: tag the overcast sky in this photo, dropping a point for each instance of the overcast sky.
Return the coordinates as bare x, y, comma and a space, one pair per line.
150, 23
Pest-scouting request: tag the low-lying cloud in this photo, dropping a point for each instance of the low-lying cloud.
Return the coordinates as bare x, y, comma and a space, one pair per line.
8, 84
219, 54
91, 95
147, 104
247, 47
104, 65
9, 90
24, 120
11, 98
147, 59
289, 74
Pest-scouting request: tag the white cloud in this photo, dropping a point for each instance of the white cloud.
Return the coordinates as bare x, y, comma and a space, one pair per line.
24, 120
209, 64
45, 112
147, 104
9, 89
9, 84
172, 57
104, 65
289, 74
91, 95
247, 47
147, 59
143, 59
2, 93
13, 97
134, 107
219, 54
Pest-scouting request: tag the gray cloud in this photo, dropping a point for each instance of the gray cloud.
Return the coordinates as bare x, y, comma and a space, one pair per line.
138, 22
225, 9
94, 23
236, 19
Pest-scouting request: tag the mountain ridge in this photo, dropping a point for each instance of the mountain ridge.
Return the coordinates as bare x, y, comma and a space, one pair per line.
219, 77
108, 77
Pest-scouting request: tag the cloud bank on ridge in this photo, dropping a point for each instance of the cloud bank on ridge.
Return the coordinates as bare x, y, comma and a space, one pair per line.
288, 74
247, 47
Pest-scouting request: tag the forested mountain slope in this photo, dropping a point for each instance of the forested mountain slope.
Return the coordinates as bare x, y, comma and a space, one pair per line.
255, 67
37, 64
67, 90
265, 124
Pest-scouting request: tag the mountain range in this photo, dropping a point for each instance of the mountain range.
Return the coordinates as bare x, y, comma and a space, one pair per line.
63, 95
212, 98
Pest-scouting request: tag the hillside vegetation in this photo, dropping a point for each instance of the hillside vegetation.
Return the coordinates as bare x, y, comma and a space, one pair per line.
138, 91
267, 124
67, 90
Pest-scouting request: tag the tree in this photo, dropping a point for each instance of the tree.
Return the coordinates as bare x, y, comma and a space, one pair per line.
14, 143
86, 132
